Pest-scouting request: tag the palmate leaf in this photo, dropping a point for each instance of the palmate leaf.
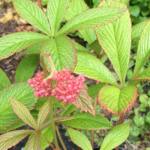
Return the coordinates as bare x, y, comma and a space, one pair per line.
16, 42
138, 29
43, 114
79, 139
12, 138
75, 8
92, 17
143, 49
84, 102
33, 143
115, 40
26, 68
93, 68
116, 136
55, 13
62, 52
4, 80
23, 93
143, 75
117, 101
87, 122
23, 113
33, 14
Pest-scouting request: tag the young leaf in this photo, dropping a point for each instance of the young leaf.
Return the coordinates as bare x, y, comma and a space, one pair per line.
92, 17
26, 68
115, 137
95, 68
33, 14
4, 80
143, 49
43, 113
62, 51
23, 93
12, 138
16, 42
144, 75
33, 143
75, 8
115, 39
84, 102
55, 12
23, 113
79, 139
117, 101
46, 137
87, 122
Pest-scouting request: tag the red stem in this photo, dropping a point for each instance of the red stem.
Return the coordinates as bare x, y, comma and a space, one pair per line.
39, 3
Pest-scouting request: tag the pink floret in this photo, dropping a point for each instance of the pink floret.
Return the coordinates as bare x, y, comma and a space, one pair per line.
41, 86
67, 86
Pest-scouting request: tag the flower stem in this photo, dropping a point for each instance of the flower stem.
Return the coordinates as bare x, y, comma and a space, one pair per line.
53, 123
60, 139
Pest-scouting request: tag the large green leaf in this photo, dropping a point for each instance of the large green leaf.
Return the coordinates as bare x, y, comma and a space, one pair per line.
16, 42
143, 49
143, 75
92, 17
93, 68
55, 12
74, 8
115, 39
117, 101
87, 122
4, 80
23, 93
33, 14
79, 139
115, 137
26, 68
62, 51
10, 139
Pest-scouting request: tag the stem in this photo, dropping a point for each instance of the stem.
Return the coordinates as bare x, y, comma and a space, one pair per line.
39, 3
60, 139
53, 123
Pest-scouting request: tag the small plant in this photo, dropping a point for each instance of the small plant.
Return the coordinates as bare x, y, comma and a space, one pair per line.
57, 95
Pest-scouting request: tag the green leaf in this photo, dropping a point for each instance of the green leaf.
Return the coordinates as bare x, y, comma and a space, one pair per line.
87, 122
33, 143
62, 51
46, 137
117, 101
143, 75
33, 14
92, 17
16, 42
95, 68
55, 12
26, 68
138, 29
115, 40
79, 139
75, 8
43, 114
4, 80
23, 113
115, 137
23, 93
10, 139
143, 49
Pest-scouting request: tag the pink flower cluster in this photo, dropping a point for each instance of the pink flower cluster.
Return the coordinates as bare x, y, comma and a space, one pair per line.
66, 88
